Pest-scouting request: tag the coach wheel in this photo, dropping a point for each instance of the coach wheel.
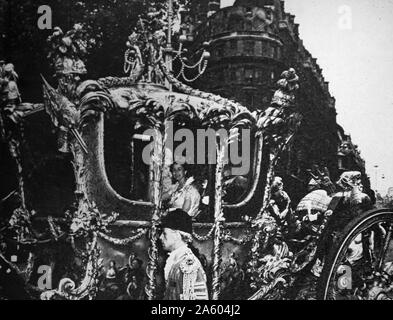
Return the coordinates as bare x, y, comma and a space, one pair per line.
360, 264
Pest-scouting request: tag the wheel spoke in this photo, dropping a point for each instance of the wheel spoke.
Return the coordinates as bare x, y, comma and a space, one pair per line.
387, 238
368, 248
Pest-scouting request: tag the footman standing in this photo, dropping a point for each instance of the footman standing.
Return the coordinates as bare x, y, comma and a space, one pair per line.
184, 275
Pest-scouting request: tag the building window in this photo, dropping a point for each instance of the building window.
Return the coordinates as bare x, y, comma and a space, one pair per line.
219, 51
249, 48
277, 54
233, 47
258, 48
272, 52
249, 75
258, 76
239, 74
265, 49
240, 48
221, 76
233, 75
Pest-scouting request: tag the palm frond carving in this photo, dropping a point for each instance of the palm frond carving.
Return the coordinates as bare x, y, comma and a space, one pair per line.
148, 113
62, 112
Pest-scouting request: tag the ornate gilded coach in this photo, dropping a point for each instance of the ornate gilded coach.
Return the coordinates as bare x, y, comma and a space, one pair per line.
252, 252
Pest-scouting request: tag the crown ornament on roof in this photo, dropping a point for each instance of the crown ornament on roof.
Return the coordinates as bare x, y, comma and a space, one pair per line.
152, 43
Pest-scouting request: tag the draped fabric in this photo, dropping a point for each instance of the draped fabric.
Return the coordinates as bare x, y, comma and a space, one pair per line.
317, 200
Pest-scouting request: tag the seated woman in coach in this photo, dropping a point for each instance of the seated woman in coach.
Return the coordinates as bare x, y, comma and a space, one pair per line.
183, 194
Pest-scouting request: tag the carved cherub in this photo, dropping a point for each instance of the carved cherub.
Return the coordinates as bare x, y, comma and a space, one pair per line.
280, 118
133, 62
155, 55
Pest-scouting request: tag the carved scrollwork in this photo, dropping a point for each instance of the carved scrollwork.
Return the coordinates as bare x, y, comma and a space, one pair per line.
280, 120
67, 288
228, 237
89, 99
270, 255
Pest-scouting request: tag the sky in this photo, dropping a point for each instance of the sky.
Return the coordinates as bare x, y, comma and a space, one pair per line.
353, 42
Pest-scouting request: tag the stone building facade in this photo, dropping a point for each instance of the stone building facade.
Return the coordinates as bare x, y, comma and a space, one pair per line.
251, 43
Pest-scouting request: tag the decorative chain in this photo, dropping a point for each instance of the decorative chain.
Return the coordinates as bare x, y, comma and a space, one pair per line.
200, 73
123, 242
206, 237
